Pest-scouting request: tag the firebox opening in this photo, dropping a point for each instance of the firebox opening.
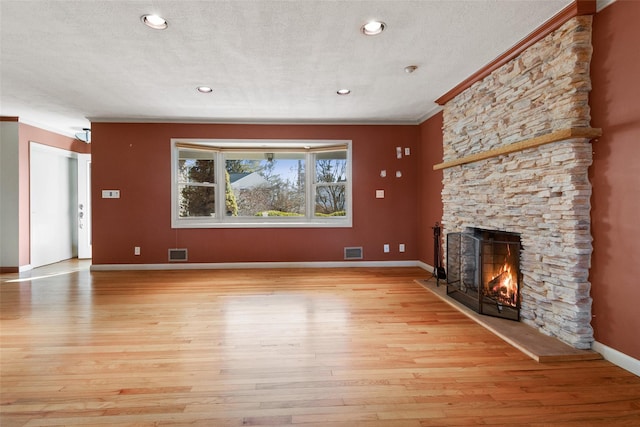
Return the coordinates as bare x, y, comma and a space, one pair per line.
484, 271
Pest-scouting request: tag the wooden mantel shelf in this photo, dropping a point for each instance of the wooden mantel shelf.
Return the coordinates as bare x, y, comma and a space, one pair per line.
556, 136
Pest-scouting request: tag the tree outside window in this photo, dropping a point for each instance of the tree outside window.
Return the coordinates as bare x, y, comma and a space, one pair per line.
196, 187
273, 186
331, 177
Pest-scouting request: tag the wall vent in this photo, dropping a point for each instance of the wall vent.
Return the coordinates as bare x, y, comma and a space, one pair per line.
353, 253
178, 254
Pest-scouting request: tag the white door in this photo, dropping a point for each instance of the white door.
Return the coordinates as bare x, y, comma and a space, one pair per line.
84, 206
53, 190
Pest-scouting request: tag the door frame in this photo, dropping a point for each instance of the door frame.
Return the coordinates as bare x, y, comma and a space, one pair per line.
84, 206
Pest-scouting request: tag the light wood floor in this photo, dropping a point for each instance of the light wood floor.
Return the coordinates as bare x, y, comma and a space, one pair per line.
353, 347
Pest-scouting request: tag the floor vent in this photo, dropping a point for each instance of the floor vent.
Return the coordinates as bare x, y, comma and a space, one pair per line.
353, 253
177, 254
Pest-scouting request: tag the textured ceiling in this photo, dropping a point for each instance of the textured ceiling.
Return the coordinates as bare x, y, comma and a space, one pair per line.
63, 63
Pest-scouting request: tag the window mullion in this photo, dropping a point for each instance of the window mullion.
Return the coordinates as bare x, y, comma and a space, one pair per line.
220, 167
310, 167
175, 185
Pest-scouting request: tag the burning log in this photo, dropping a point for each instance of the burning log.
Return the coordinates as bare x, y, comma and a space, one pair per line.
501, 288
497, 284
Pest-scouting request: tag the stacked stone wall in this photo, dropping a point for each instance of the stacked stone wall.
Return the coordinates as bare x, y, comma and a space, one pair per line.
542, 193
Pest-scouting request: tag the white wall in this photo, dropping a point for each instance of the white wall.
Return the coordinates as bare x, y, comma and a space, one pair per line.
9, 186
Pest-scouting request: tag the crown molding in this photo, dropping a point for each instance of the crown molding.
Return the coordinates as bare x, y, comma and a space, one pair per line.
244, 121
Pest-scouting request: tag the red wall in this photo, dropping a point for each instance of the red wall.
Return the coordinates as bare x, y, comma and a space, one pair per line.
430, 185
136, 159
27, 134
615, 175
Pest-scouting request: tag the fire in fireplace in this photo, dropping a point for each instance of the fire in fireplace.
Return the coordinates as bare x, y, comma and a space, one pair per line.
483, 271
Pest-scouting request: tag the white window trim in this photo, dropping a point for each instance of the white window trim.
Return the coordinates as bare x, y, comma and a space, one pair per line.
220, 220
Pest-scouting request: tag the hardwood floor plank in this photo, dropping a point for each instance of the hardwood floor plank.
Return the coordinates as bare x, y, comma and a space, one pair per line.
365, 347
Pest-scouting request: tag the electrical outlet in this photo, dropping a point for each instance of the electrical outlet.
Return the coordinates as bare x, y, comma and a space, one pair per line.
136, 250
401, 247
386, 248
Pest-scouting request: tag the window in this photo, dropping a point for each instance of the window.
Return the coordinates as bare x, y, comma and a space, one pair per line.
260, 183
196, 183
330, 183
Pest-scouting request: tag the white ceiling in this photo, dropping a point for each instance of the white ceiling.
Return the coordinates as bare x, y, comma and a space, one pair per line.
63, 63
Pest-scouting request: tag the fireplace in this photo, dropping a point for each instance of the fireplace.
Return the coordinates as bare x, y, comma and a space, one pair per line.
538, 105
484, 271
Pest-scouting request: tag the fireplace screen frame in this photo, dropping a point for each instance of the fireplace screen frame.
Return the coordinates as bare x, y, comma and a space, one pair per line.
470, 256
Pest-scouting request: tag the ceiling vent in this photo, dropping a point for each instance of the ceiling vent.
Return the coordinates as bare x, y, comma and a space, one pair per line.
353, 253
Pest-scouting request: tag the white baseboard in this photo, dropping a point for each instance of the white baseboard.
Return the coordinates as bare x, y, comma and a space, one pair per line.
250, 265
425, 266
617, 358
24, 268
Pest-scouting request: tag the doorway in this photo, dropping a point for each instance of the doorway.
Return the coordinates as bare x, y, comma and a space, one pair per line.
55, 199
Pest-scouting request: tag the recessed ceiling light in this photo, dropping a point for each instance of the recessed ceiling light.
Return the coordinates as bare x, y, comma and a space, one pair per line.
373, 28
204, 89
154, 21
343, 92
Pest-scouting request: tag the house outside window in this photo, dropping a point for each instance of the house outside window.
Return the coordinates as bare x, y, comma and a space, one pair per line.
261, 183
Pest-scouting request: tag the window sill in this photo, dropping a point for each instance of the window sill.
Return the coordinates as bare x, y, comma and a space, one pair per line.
347, 223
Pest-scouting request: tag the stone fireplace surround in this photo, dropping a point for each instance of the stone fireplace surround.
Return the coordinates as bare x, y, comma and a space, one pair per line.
541, 192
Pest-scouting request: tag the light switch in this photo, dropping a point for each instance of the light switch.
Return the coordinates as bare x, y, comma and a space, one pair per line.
379, 194
110, 194
407, 151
